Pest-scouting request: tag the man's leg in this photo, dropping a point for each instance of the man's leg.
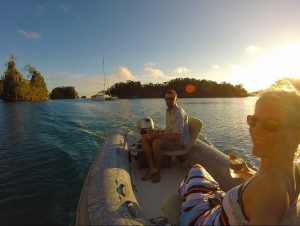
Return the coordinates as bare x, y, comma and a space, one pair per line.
157, 152
157, 156
147, 147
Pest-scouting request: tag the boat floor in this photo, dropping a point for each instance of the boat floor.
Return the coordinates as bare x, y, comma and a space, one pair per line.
150, 195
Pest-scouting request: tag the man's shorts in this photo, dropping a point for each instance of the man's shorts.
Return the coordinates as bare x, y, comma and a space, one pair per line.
168, 144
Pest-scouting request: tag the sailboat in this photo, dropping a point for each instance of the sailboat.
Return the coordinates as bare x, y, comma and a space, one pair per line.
102, 96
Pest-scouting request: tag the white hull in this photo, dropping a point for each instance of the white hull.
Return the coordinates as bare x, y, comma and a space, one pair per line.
98, 98
103, 97
113, 193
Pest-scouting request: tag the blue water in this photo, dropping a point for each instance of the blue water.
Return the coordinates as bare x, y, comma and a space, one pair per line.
46, 148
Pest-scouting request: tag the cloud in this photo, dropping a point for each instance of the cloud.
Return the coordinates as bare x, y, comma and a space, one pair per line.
84, 84
87, 84
150, 64
30, 34
252, 49
235, 67
182, 70
63, 8
151, 70
215, 66
281, 62
58, 8
123, 73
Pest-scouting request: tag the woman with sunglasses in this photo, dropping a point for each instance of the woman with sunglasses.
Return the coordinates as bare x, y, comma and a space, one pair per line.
267, 196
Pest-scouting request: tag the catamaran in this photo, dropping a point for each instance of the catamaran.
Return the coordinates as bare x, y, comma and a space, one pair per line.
102, 95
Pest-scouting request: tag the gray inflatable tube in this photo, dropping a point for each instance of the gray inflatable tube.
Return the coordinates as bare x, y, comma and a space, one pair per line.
107, 197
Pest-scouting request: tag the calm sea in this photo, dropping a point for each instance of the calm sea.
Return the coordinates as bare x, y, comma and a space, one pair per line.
46, 148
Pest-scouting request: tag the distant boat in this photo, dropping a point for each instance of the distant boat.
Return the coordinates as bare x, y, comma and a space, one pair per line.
103, 96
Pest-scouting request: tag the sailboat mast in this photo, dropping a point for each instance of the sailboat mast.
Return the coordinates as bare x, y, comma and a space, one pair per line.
103, 75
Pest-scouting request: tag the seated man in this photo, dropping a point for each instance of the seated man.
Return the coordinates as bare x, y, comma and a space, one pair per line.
176, 136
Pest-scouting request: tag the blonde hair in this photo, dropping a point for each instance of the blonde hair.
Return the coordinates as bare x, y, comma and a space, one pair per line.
287, 98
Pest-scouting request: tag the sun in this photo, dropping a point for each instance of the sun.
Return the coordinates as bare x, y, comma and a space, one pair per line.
280, 63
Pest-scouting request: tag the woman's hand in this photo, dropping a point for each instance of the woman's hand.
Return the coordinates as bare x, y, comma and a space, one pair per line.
246, 172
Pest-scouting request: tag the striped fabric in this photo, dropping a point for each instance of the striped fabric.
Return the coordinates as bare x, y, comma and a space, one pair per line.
199, 187
196, 190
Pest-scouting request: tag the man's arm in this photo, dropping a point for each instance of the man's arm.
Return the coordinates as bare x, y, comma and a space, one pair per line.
170, 136
164, 135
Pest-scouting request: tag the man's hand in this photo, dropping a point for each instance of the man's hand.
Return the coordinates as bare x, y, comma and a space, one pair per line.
151, 135
161, 130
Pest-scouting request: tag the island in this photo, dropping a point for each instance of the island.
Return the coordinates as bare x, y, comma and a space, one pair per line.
185, 88
68, 92
14, 87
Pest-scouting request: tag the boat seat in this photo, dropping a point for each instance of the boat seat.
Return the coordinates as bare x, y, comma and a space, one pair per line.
195, 126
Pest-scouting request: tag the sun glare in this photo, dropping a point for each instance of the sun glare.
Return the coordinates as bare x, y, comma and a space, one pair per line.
190, 88
280, 63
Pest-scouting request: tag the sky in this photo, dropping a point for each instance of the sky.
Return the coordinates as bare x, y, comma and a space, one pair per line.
249, 42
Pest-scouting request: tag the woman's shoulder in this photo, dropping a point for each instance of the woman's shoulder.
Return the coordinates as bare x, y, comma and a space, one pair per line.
267, 184
273, 178
297, 172
265, 191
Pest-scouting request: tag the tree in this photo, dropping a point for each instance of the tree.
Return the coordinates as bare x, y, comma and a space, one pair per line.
1, 88
13, 82
64, 93
201, 88
17, 88
38, 88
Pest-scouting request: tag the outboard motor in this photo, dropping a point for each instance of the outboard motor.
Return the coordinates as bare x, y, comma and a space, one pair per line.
144, 124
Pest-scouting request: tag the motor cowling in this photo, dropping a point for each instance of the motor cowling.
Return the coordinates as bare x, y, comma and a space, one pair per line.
144, 125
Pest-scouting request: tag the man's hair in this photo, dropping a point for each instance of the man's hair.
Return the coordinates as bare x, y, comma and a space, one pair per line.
171, 91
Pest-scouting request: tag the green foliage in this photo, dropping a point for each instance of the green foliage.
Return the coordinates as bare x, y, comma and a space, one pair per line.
38, 88
13, 81
203, 88
1, 88
130, 89
64, 93
16, 88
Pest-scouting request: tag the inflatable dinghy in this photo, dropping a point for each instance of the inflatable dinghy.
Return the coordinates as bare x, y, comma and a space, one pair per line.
113, 193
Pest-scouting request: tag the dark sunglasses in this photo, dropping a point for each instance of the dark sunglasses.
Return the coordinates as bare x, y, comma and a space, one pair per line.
270, 125
170, 98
